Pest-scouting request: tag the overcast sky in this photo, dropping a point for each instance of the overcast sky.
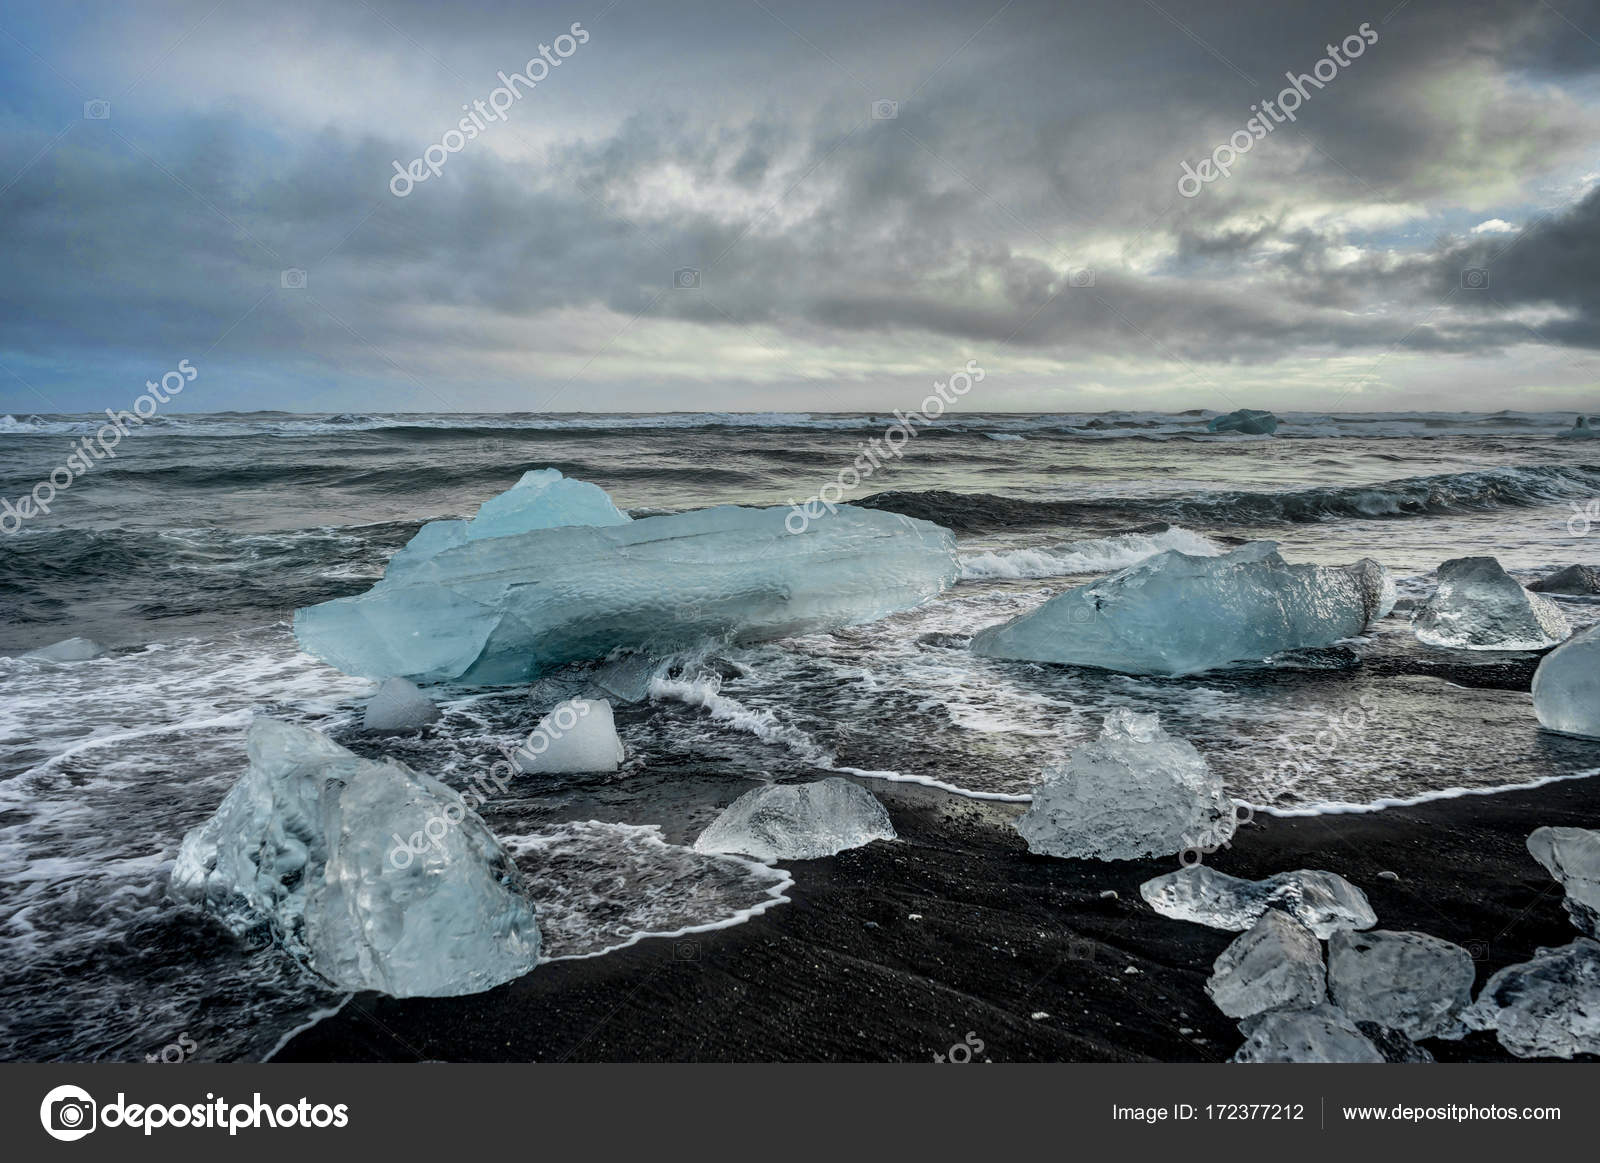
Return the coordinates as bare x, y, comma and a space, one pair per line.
1425, 234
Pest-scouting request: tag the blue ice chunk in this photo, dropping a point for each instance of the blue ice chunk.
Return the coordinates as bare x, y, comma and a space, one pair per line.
1178, 614
505, 609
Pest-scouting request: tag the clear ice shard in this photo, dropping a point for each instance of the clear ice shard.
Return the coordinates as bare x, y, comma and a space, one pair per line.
1321, 901
1566, 687
1572, 856
1404, 981
1178, 614
1275, 965
504, 609
371, 874
1545, 1008
1323, 1033
804, 821
398, 706
69, 650
1249, 420
1479, 606
1134, 792
1572, 581
578, 736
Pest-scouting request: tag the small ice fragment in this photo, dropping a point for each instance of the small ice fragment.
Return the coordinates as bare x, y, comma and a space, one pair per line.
69, 650
1039, 1015
1572, 856
1387, 875
806, 821
578, 736
1251, 421
1178, 614
1392, 1044
1405, 981
1277, 964
1573, 581
1545, 1008
371, 874
1134, 792
1110, 894
1322, 1034
626, 678
1479, 606
1566, 687
398, 706
1322, 901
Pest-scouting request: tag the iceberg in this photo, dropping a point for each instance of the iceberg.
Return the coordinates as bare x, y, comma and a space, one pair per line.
398, 706
1323, 1033
1178, 614
1545, 1008
1276, 965
578, 736
506, 608
1576, 581
1134, 792
1566, 687
1572, 856
374, 876
69, 650
1321, 901
1410, 982
1479, 606
806, 821
1251, 421
1581, 429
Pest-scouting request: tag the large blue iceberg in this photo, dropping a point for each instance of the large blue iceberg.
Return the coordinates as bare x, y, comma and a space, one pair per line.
507, 596
1177, 614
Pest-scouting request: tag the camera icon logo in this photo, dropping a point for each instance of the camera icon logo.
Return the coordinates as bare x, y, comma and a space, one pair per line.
97, 110
1475, 279
293, 279
884, 110
686, 279
1083, 277
686, 951
67, 1113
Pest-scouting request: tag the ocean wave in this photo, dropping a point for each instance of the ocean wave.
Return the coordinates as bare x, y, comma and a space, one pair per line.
1117, 425
1100, 555
1440, 495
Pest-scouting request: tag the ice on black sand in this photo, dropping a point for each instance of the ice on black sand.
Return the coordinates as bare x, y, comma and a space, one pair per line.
1276, 965
1322, 901
805, 821
1132, 793
373, 875
1404, 981
1572, 856
578, 736
1566, 687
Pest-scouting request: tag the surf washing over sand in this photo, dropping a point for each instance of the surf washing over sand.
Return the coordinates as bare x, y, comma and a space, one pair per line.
190, 554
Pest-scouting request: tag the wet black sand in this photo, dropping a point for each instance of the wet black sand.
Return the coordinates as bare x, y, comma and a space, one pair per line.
897, 952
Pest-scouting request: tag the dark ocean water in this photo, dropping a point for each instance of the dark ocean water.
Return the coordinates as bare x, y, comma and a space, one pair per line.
189, 551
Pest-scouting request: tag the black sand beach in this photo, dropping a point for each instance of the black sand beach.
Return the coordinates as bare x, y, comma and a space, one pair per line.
899, 951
